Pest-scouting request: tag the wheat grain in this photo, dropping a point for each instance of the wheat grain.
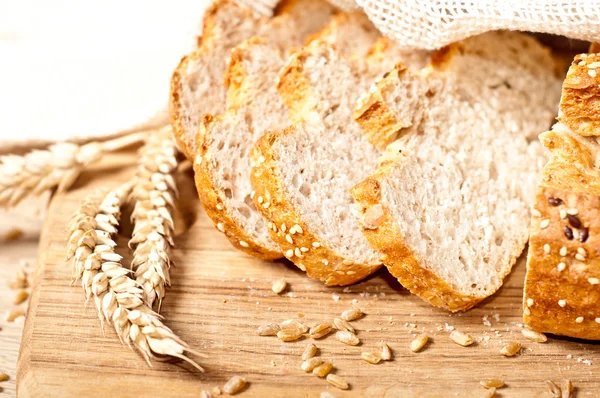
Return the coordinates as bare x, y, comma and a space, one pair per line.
321, 329
337, 381
461, 338
371, 357
289, 334
234, 385
278, 286
341, 324
386, 352
294, 324
419, 342
491, 393
21, 297
3, 377
553, 389
534, 336
118, 298
309, 352
347, 337
311, 363
270, 329
11, 316
58, 166
351, 314
492, 383
567, 389
511, 349
323, 369
152, 216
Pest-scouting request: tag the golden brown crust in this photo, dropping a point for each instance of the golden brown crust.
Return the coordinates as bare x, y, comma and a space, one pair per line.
399, 259
206, 44
380, 124
594, 48
565, 186
295, 88
562, 285
580, 103
305, 249
215, 205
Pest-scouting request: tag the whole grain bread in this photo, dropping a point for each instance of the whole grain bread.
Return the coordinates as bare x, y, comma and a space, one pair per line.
222, 168
197, 82
562, 285
449, 206
306, 169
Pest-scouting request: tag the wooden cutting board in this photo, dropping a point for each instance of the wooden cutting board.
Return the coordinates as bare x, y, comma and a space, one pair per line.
220, 296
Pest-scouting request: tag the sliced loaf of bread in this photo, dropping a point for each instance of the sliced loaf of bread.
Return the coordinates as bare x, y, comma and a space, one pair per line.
197, 82
302, 175
222, 168
449, 207
562, 286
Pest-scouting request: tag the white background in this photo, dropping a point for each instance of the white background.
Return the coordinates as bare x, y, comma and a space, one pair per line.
73, 68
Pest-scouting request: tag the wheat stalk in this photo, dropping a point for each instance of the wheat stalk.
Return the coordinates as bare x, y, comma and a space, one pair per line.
117, 297
57, 166
152, 216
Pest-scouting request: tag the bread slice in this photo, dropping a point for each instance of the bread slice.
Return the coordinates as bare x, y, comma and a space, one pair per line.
222, 169
197, 82
302, 174
562, 286
449, 206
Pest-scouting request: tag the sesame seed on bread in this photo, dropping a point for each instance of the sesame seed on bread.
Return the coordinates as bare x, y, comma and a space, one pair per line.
308, 168
449, 206
253, 105
562, 285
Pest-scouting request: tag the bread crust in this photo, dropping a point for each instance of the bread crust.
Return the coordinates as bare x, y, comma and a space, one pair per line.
215, 205
580, 103
399, 259
318, 260
206, 44
570, 179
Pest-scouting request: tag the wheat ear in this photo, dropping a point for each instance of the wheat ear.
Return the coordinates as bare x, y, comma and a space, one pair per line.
117, 297
57, 166
153, 194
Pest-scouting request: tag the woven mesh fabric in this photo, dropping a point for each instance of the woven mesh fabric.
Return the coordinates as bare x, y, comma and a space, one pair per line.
431, 24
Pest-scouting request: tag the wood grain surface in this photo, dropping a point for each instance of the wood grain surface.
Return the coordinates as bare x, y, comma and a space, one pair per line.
220, 296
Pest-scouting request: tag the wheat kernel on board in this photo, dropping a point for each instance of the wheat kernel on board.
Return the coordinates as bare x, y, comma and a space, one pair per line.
567, 389
310, 364
289, 334
234, 385
270, 329
491, 393
371, 357
419, 342
386, 351
323, 369
461, 338
341, 324
206, 394
553, 389
279, 286
346, 337
511, 349
309, 352
293, 324
492, 383
351, 314
3, 377
534, 336
321, 329
337, 381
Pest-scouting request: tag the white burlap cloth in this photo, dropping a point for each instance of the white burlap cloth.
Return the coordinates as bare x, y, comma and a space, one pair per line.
431, 24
